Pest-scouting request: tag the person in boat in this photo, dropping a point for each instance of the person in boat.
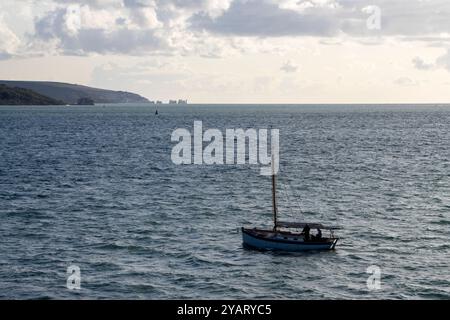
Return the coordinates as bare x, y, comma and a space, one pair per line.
305, 232
318, 236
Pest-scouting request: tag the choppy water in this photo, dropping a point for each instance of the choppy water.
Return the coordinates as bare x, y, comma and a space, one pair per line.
95, 187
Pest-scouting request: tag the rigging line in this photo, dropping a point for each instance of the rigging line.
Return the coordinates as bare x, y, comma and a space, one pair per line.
281, 192
287, 198
296, 197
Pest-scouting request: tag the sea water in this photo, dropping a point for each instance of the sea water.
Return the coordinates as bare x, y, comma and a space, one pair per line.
95, 188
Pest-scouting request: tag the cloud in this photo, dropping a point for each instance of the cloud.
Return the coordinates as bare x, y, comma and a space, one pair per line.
405, 82
289, 67
210, 28
420, 64
264, 18
5, 56
128, 27
327, 18
9, 42
442, 61
83, 30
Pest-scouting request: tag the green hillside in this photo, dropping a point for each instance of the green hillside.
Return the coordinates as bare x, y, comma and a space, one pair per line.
21, 96
71, 93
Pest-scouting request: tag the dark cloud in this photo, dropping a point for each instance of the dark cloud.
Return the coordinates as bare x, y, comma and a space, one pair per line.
5, 56
136, 3
263, 18
118, 41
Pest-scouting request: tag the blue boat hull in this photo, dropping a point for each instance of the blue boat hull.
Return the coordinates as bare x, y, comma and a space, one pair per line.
253, 239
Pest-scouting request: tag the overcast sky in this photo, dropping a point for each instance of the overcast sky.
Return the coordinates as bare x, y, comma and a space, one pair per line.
231, 51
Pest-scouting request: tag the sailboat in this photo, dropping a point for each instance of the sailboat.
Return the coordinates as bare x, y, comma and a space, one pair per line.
286, 236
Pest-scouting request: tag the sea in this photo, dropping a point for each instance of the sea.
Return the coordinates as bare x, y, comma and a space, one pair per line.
93, 207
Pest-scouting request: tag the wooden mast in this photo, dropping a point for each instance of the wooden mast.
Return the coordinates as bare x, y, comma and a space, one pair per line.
274, 199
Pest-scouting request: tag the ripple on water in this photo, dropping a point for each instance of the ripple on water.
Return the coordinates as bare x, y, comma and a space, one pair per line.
96, 187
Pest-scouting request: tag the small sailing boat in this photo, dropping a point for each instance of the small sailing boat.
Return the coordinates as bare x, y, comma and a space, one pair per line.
156, 112
286, 236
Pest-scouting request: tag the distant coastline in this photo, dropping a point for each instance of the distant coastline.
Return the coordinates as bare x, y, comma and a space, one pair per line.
51, 93
22, 96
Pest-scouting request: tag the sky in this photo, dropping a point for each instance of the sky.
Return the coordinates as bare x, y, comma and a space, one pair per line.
235, 51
